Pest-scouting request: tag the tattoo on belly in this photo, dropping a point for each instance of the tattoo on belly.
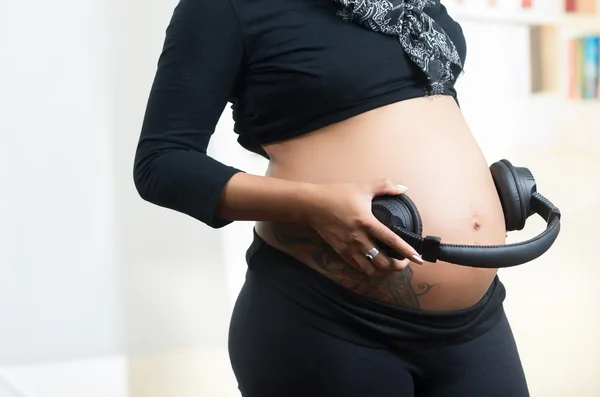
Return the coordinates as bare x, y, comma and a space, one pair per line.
394, 288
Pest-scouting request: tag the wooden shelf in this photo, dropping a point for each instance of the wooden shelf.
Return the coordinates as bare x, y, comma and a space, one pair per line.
518, 17
525, 17
581, 22
560, 98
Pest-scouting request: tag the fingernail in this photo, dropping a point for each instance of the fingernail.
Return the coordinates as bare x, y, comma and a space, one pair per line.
402, 189
417, 259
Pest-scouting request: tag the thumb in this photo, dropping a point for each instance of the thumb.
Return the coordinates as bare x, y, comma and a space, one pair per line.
387, 187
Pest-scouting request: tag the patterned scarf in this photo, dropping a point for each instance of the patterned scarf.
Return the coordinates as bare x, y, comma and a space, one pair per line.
422, 38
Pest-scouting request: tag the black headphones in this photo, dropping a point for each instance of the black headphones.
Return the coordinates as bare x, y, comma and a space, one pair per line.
519, 197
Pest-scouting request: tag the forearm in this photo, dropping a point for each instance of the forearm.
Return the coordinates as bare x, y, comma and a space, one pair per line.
249, 197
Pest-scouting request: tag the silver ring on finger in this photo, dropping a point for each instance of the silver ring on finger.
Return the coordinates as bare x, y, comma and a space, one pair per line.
373, 252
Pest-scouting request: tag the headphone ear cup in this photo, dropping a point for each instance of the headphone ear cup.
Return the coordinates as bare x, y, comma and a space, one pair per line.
398, 210
415, 224
513, 200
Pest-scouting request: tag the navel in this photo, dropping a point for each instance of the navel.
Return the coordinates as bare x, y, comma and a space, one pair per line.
476, 222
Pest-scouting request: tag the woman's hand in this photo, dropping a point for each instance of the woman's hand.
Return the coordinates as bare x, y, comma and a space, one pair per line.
342, 215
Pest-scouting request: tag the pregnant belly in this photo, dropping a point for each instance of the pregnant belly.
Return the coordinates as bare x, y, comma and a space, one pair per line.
422, 143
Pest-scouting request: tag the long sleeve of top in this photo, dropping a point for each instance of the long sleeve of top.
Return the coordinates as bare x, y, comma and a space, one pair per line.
196, 74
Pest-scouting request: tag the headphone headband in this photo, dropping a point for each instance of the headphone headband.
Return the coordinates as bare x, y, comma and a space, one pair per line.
490, 256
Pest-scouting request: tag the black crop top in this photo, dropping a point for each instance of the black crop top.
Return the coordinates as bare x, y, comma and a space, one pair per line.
287, 66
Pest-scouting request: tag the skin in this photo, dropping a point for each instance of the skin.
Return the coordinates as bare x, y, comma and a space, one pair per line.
425, 144
393, 287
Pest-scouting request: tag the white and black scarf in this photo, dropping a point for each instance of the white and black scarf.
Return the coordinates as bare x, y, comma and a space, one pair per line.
423, 39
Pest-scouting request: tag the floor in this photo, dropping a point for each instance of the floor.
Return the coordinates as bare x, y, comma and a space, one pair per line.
553, 303
200, 372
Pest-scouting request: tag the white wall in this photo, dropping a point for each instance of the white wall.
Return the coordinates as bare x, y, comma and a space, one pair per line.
86, 267
59, 280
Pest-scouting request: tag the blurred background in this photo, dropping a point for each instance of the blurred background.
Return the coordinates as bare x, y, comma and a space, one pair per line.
104, 295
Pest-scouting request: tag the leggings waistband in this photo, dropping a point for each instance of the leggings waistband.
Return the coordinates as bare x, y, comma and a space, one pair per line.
332, 308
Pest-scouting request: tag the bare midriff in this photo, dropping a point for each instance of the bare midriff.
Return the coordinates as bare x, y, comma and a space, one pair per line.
422, 143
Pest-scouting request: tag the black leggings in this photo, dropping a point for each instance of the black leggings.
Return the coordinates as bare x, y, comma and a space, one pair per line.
282, 342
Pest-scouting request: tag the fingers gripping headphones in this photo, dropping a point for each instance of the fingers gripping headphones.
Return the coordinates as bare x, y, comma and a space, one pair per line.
518, 194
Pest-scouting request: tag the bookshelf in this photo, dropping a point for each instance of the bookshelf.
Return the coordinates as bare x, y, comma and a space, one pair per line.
553, 26
552, 29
